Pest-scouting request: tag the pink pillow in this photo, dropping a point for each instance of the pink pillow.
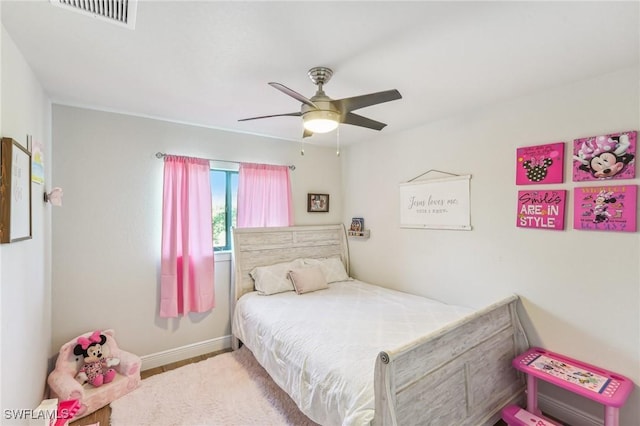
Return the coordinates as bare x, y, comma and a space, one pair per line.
308, 279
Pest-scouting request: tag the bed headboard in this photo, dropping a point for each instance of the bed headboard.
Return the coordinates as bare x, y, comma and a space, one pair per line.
265, 246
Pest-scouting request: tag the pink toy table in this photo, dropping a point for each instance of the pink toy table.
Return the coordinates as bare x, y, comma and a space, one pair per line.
516, 416
600, 385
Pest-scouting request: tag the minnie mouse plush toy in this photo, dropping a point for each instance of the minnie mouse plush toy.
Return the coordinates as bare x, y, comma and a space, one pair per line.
97, 366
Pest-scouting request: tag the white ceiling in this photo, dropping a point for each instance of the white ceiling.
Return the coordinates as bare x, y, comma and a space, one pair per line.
208, 62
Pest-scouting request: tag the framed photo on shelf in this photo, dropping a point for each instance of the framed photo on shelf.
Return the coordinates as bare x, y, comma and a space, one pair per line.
317, 203
357, 224
15, 191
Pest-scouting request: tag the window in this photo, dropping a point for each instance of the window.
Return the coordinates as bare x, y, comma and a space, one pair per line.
224, 197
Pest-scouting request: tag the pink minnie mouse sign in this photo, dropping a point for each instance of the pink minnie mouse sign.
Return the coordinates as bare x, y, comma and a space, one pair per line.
605, 208
540, 164
605, 157
541, 209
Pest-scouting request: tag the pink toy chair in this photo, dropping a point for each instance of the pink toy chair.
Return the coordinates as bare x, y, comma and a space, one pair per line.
63, 384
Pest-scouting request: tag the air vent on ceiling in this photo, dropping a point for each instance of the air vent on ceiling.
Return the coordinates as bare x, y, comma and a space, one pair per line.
120, 12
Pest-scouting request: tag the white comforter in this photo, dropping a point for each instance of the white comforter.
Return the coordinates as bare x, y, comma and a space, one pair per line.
321, 347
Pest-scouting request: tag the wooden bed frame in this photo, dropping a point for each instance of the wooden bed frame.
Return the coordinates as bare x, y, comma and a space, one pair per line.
460, 374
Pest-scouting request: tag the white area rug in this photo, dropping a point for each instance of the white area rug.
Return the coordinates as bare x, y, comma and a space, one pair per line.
228, 389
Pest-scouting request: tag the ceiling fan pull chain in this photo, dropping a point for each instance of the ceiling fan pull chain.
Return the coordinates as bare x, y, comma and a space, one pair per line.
338, 141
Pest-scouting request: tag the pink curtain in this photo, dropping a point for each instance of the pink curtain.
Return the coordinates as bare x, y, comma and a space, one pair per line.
187, 244
264, 196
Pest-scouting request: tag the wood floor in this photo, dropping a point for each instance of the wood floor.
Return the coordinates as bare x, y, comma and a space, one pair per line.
103, 415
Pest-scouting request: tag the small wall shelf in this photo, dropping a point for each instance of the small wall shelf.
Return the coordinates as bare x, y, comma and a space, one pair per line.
361, 235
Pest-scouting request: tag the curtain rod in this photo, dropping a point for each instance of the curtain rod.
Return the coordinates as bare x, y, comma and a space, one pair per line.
162, 155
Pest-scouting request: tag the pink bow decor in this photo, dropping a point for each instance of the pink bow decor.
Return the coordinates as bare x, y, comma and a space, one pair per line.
595, 146
94, 338
534, 162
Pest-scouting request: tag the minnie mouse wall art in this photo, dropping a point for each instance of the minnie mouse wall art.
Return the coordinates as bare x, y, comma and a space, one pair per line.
605, 157
541, 209
540, 164
605, 208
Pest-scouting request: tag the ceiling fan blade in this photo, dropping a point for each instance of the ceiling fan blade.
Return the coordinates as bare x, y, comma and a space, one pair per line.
356, 102
284, 89
306, 133
289, 114
358, 120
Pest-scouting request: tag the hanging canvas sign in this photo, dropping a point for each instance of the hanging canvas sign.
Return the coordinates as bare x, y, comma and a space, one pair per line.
540, 164
605, 208
441, 203
541, 209
605, 157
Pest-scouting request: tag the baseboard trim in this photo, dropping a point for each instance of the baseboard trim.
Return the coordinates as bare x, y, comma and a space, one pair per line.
566, 412
159, 359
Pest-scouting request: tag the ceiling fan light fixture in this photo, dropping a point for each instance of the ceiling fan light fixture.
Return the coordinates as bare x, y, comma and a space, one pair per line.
320, 121
321, 114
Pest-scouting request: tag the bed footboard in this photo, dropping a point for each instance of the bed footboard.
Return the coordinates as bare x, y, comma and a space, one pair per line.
461, 375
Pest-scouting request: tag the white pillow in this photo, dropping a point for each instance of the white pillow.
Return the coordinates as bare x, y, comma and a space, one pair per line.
274, 278
308, 279
332, 267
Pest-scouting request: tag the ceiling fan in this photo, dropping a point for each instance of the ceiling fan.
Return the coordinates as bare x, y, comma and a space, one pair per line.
321, 114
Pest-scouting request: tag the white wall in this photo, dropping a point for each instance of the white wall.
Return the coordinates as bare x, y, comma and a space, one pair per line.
24, 278
106, 236
1, 61
579, 289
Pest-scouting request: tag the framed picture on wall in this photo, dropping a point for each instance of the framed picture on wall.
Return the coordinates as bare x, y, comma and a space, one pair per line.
605, 157
317, 202
37, 163
605, 208
540, 164
541, 209
15, 192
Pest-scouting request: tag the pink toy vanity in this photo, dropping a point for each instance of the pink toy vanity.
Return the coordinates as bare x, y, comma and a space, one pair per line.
600, 385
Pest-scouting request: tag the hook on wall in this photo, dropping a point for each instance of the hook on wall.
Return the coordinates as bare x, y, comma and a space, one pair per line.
54, 197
